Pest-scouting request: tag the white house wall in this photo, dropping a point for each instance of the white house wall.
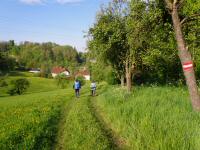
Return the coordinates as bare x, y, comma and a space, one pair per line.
54, 75
87, 77
65, 73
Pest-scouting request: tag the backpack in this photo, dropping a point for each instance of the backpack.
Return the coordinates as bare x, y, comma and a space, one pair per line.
76, 85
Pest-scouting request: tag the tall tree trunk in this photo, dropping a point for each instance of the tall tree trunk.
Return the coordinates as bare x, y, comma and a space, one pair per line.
186, 60
122, 80
147, 5
128, 76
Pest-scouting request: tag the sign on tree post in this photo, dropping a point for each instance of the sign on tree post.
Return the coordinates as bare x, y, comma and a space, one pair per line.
184, 54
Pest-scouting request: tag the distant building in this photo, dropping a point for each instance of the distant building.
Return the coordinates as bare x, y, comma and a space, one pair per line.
59, 70
83, 73
93, 60
35, 70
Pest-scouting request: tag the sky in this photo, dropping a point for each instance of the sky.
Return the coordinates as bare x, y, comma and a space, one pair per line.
64, 22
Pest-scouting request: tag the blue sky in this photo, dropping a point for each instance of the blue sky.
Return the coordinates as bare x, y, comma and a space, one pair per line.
60, 21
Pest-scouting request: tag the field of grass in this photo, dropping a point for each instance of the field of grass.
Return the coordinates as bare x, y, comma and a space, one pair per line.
48, 117
151, 118
30, 121
37, 84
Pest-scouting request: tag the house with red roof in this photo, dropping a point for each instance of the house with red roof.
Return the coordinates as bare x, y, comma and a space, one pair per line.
59, 70
83, 73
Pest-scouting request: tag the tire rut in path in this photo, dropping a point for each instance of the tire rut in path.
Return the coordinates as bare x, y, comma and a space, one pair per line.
116, 142
59, 140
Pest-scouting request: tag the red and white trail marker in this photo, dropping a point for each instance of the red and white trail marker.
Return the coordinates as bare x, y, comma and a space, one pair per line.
187, 66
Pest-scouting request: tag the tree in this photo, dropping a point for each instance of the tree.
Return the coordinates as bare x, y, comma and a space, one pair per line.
19, 86
61, 81
108, 41
177, 9
7, 63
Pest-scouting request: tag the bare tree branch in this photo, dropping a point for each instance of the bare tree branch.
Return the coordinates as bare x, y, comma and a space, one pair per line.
175, 2
189, 17
169, 4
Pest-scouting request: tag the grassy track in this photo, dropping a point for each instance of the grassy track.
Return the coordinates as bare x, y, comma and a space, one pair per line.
82, 131
151, 118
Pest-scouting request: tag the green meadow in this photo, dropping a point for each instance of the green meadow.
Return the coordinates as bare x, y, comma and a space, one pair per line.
30, 121
36, 84
47, 117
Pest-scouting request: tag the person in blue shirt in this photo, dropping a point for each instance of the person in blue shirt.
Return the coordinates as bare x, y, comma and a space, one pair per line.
77, 87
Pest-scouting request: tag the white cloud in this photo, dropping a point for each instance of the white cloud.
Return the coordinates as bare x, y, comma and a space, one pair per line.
32, 2
68, 1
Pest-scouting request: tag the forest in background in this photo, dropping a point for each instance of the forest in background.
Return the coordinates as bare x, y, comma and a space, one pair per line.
29, 55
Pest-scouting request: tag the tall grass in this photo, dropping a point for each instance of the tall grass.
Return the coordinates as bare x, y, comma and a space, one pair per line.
30, 121
152, 118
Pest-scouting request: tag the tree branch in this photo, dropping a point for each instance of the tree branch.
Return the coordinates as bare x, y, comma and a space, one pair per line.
169, 4
175, 2
189, 17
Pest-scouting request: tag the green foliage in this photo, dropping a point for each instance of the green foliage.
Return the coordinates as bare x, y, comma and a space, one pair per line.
142, 34
81, 79
7, 63
35, 55
61, 81
3, 82
19, 86
46, 55
97, 71
108, 37
110, 76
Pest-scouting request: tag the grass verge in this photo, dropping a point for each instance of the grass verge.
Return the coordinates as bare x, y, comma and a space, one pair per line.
151, 117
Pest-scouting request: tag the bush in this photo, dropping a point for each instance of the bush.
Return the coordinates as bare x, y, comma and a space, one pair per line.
49, 76
19, 86
111, 78
81, 80
3, 83
61, 81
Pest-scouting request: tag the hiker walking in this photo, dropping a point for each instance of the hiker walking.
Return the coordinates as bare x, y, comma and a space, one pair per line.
93, 87
77, 86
